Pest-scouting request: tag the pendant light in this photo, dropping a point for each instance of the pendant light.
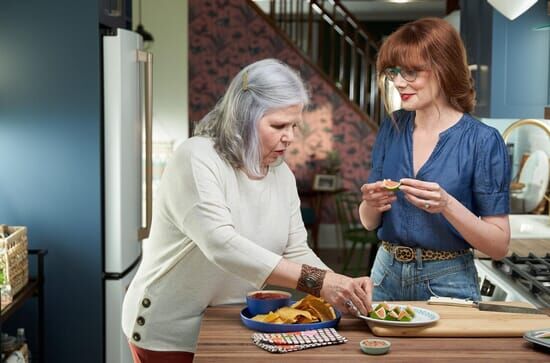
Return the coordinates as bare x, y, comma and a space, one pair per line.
512, 8
147, 37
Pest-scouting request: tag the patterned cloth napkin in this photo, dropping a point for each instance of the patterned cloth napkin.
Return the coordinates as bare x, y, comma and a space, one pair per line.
293, 341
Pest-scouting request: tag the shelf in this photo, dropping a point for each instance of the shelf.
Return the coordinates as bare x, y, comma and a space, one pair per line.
28, 291
33, 289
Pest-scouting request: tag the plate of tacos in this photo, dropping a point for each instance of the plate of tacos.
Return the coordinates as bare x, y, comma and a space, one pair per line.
308, 313
400, 315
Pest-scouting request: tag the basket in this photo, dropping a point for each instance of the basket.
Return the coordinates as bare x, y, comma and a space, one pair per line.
14, 258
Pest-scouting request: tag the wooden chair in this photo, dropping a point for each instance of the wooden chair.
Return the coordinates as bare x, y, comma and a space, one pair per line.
351, 231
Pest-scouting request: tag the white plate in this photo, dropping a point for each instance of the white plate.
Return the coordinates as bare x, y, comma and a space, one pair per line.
422, 317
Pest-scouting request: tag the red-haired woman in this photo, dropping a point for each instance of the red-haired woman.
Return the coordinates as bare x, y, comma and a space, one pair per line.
453, 169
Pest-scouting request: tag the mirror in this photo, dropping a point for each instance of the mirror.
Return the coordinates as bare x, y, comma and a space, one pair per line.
528, 143
532, 184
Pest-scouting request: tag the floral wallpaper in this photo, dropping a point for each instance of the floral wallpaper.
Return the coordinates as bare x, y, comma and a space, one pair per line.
226, 35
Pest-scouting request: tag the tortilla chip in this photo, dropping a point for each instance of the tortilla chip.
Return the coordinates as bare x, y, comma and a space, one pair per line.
310, 309
291, 315
304, 320
323, 312
266, 318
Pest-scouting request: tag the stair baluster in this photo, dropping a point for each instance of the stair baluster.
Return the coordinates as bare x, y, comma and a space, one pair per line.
333, 39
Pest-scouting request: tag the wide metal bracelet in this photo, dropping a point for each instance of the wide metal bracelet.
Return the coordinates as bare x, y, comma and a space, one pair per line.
311, 280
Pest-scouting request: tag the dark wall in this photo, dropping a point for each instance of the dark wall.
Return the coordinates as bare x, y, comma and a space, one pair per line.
50, 163
520, 81
512, 60
476, 24
381, 29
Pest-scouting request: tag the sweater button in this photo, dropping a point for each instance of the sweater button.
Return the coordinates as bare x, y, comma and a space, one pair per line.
136, 337
146, 302
140, 320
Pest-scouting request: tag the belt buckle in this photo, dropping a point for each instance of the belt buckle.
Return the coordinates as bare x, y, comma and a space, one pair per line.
403, 254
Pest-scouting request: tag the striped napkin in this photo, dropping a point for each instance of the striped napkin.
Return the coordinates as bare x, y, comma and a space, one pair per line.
293, 341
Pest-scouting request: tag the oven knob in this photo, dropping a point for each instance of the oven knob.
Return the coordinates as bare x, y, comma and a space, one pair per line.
487, 288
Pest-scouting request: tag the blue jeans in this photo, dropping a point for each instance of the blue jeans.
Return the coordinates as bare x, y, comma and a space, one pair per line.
418, 280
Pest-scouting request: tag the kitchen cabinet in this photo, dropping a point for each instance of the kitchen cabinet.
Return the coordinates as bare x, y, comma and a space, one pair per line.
115, 13
509, 60
476, 22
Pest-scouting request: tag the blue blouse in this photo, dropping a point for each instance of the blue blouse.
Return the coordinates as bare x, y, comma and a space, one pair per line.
470, 162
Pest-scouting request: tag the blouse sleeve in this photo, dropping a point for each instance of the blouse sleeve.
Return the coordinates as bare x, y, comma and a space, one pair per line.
491, 184
378, 151
199, 208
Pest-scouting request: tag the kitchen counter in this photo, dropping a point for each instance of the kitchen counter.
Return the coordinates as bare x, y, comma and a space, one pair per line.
223, 338
522, 247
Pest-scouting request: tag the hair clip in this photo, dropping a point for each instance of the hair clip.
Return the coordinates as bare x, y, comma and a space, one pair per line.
245, 81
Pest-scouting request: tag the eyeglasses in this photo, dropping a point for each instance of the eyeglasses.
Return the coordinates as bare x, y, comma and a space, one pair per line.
408, 75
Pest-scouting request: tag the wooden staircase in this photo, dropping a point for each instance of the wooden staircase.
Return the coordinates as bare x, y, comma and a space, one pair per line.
334, 41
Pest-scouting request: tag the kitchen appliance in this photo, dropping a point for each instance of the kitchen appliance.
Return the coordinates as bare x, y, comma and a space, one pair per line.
516, 278
127, 78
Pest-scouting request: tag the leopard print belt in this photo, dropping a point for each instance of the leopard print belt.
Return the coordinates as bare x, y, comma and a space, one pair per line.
408, 254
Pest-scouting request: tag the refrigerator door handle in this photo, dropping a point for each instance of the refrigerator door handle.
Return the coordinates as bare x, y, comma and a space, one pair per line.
147, 58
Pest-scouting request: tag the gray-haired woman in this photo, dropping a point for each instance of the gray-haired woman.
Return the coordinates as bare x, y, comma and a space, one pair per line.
227, 220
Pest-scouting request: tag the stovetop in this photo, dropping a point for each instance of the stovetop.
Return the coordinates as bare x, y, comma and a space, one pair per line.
531, 272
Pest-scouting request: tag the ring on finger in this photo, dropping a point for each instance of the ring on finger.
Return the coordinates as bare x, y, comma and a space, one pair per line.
352, 308
427, 206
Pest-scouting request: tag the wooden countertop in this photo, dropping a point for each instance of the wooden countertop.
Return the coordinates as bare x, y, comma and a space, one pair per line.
522, 247
223, 338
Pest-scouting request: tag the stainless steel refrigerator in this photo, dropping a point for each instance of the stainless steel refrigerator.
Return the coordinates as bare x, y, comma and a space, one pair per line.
127, 80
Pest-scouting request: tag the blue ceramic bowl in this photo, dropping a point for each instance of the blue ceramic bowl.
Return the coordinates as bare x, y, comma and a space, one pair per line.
246, 318
264, 301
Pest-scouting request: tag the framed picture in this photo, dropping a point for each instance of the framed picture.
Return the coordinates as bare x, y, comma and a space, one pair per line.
325, 182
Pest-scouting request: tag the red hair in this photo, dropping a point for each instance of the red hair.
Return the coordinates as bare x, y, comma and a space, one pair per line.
431, 44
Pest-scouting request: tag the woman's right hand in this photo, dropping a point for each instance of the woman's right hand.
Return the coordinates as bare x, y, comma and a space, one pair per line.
377, 197
338, 289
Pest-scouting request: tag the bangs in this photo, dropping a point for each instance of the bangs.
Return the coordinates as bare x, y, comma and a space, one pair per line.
405, 52
428, 44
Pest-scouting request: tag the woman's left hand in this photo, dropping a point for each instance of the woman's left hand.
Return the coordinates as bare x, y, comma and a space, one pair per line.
430, 197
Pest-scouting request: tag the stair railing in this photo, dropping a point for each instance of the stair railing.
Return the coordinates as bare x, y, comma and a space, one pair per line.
330, 36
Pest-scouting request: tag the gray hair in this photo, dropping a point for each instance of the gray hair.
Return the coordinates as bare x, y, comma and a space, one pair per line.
256, 90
